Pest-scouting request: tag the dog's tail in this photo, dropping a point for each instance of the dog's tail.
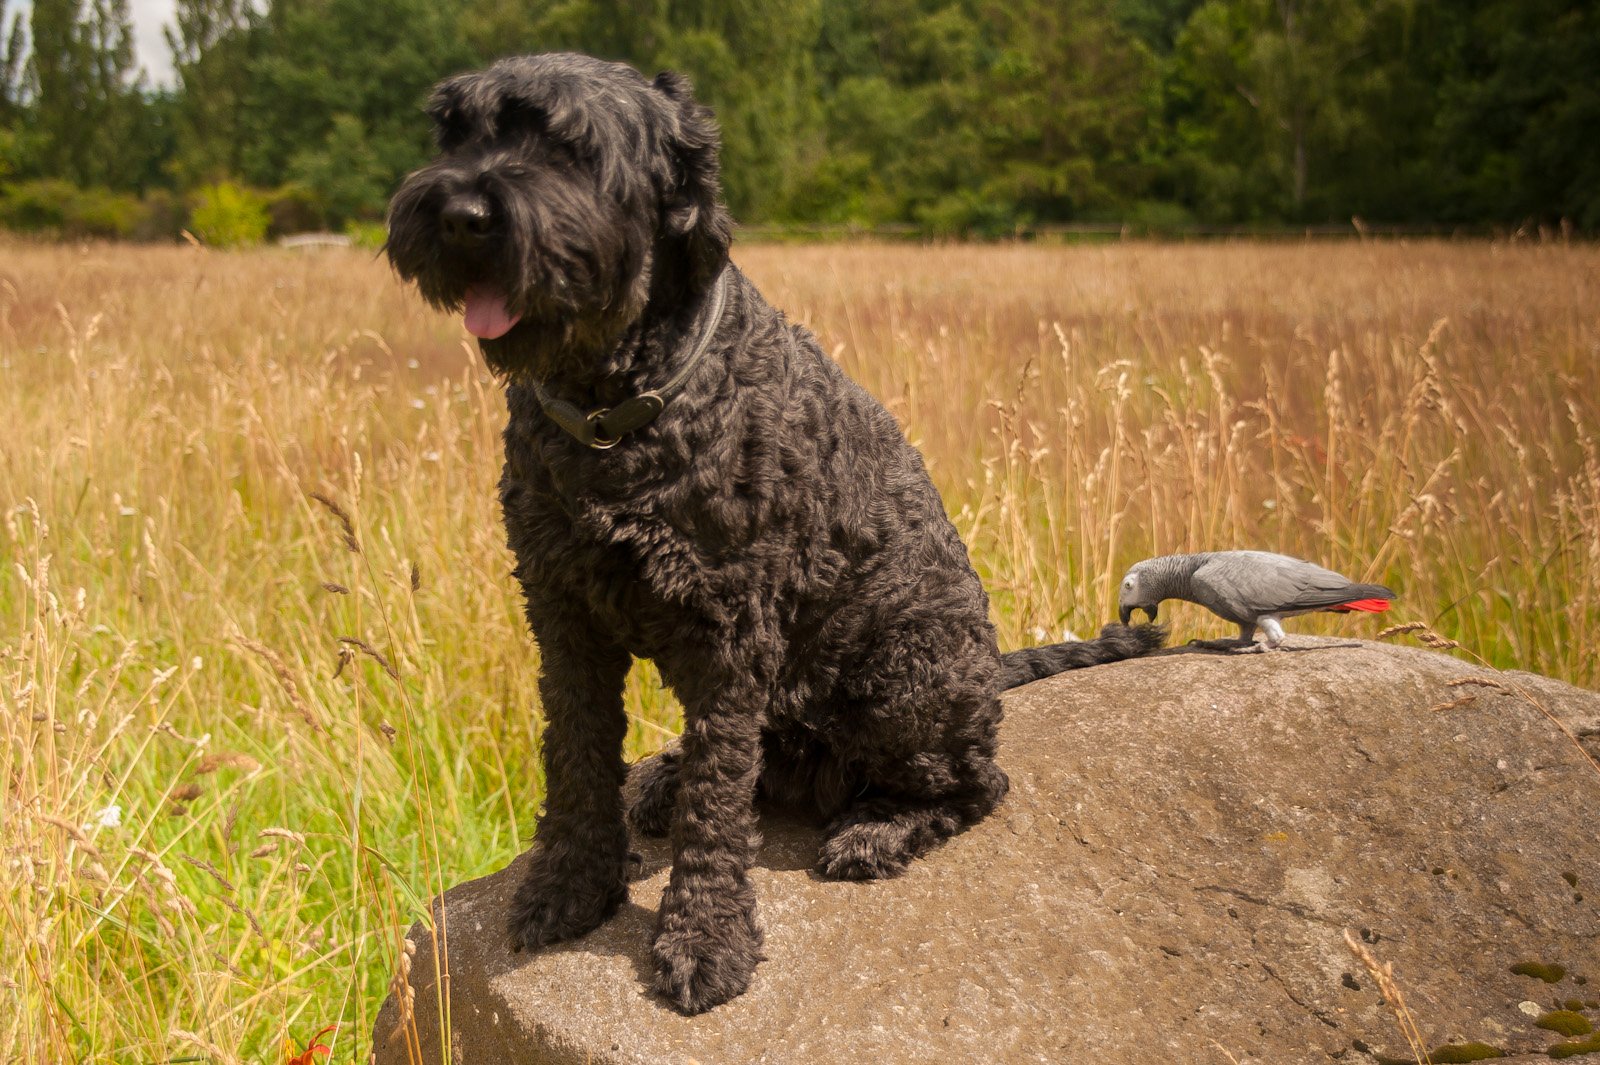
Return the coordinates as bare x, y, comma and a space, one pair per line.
1114, 643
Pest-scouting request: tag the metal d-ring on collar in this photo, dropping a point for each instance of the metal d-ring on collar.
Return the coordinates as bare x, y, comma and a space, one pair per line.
604, 428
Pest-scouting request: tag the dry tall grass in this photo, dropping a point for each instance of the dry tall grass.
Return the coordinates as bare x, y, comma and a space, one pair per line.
264, 683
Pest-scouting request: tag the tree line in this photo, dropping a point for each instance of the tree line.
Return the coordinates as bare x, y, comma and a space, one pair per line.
952, 116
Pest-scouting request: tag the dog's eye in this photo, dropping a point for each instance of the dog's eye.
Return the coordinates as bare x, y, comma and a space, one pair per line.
450, 125
449, 132
518, 115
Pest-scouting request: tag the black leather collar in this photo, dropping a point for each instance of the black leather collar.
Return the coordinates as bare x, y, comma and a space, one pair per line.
605, 427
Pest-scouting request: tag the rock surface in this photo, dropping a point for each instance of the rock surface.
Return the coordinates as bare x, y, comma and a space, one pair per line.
1186, 840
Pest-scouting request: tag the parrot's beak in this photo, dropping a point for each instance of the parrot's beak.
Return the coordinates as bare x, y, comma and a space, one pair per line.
1126, 614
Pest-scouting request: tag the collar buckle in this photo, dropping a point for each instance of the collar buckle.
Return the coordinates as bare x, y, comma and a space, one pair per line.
596, 428
603, 428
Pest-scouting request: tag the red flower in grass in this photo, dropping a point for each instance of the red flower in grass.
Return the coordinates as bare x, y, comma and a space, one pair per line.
308, 1056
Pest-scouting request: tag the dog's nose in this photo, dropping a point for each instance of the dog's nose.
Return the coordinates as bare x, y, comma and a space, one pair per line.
465, 219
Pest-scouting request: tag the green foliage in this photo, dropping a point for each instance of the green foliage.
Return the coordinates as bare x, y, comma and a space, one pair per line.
227, 215
87, 112
370, 235
102, 213
37, 206
334, 94
1518, 105
1064, 112
53, 206
1565, 1022
347, 173
961, 117
296, 208
164, 216
1158, 217
1549, 972
1573, 1049
1464, 1053
211, 46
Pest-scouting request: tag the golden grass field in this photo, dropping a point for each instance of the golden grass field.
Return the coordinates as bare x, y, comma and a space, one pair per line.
244, 742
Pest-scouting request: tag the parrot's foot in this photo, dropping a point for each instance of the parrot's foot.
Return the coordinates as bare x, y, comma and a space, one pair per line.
1235, 645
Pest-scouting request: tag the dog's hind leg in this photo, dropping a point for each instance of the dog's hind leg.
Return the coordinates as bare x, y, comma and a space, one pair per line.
919, 729
652, 791
794, 774
577, 872
907, 812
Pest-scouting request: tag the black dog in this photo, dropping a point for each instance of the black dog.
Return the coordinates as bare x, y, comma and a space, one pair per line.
690, 479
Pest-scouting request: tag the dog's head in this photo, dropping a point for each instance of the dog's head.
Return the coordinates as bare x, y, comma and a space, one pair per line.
568, 194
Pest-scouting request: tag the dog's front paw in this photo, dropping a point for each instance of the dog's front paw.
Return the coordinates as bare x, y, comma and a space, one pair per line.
706, 960
552, 905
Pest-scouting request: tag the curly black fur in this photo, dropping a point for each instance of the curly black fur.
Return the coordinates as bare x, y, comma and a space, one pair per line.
1115, 643
771, 540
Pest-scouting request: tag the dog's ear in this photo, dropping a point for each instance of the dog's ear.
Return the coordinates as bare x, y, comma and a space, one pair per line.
694, 219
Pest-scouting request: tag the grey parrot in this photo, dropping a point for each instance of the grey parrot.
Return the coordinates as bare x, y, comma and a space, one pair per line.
1248, 588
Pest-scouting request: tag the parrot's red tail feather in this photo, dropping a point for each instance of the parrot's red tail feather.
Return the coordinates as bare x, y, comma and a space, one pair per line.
1371, 606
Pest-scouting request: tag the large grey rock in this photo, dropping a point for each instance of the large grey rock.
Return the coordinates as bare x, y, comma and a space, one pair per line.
1186, 840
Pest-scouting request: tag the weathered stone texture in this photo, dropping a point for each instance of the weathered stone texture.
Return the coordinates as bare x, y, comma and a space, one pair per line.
1186, 840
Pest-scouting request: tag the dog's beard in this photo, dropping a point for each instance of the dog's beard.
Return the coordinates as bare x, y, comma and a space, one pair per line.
556, 286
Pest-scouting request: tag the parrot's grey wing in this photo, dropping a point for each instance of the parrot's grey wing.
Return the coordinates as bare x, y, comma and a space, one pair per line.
1257, 584
1318, 588
1227, 589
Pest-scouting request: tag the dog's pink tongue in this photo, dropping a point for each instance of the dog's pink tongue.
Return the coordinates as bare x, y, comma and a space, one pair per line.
487, 315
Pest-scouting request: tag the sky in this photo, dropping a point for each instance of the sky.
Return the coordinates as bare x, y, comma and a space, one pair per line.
149, 18
150, 47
